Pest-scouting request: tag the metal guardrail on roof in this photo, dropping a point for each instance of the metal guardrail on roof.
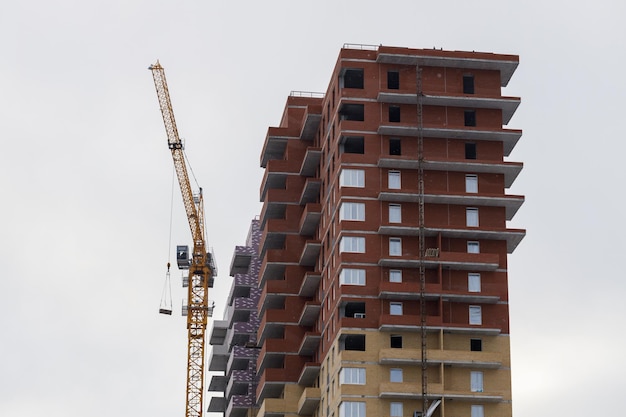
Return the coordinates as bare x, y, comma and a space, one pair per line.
360, 46
310, 94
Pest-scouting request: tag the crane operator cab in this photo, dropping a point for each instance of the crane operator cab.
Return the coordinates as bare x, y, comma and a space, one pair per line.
182, 257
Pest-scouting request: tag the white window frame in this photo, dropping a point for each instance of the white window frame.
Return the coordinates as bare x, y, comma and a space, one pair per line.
395, 246
476, 381
395, 275
352, 244
471, 183
352, 276
473, 246
395, 213
352, 211
352, 409
478, 411
395, 308
473, 282
396, 409
395, 375
471, 217
352, 178
475, 315
394, 180
353, 376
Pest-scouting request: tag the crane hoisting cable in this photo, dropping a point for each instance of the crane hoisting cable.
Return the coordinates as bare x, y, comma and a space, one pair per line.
202, 267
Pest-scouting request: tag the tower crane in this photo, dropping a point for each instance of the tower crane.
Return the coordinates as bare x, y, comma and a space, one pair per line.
201, 266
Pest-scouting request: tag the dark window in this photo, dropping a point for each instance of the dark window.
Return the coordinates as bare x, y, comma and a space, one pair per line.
470, 151
396, 341
476, 345
352, 112
352, 145
395, 146
468, 84
393, 80
394, 114
353, 78
356, 310
354, 342
470, 117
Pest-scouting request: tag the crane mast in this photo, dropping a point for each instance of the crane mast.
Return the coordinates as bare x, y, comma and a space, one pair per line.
202, 267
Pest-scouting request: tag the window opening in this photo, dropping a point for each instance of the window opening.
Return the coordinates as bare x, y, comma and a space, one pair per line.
394, 180
352, 144
395, 275
470, 151
473, 282
353, 78
471, 183
395, 146
394, 114
395, 213
468, 84
471, 217
396, 341
352, 111
395, 246
476, 345
473, 247
354, 342
470, 117
475, 315
476, 381
393, 80
395, 308
395, 375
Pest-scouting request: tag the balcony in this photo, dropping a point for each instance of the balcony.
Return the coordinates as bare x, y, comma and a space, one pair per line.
510, 170
310, 219
310, 343
511, 203
411, 291
272, 407
400, 390
310, 253
241, 260
508, 105
390, 356
310, 313
240, 358
312, 118
276, 143
454, 260
309, 373
219, 358
273, 381
218, 332
275, 176
506, 64
309, 400
238, 405
311, 191
513, 237
218, 383
311, 162
217, 405
237, 383
508, 137
310, 284
273, 266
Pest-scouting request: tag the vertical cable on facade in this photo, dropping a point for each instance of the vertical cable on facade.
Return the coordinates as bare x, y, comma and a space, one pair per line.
422, 240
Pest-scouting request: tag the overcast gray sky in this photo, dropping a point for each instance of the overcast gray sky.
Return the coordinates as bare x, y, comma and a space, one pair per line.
85, 176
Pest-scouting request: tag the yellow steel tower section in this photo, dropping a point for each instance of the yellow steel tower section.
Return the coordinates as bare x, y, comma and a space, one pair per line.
201, 270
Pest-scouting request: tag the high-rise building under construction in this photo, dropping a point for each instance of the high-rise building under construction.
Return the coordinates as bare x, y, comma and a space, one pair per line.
374, 282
